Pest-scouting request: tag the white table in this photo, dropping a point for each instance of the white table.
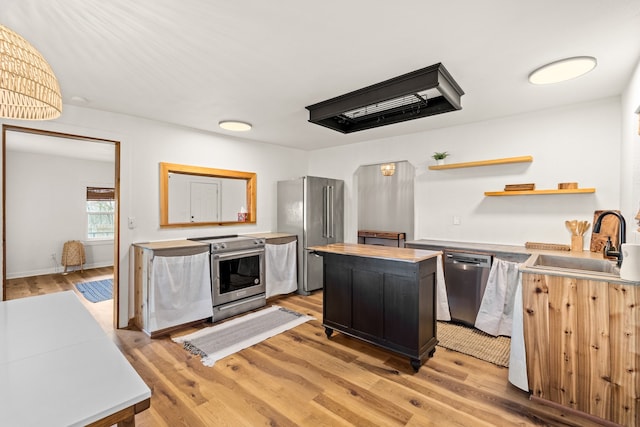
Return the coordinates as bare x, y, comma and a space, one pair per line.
59, 368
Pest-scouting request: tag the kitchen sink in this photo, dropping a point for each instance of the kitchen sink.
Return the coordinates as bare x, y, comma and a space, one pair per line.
590, 266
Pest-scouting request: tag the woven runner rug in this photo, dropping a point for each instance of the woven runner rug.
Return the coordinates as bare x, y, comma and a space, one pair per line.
475, 343
222, 340
99, 290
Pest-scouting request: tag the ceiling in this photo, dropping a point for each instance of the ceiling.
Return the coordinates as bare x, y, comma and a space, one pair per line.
197, 62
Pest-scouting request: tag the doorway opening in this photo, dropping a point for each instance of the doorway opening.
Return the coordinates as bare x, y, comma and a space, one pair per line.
385, 203
45, 143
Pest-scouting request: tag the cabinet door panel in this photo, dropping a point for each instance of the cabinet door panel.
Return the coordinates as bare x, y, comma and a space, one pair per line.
400, 310
367, 302
337, 294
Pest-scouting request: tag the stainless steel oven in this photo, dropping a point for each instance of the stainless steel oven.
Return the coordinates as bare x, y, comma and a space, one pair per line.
237, 274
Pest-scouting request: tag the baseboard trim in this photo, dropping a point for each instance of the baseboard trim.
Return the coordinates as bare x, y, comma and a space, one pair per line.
574, 412
56, 270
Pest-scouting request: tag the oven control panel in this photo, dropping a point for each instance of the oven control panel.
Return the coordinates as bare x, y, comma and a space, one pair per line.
232, 243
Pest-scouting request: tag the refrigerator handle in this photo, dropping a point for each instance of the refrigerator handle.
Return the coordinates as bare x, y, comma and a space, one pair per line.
331, 225
325, 210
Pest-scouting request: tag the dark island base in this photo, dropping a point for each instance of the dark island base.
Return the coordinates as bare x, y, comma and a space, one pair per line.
416, 363
385, 297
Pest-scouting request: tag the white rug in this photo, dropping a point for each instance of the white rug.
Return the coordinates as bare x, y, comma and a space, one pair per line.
222, 340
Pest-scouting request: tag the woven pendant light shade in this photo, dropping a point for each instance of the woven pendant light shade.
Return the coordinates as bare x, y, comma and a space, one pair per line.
28, 88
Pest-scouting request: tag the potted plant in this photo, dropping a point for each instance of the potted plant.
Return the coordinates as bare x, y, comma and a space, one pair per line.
440, 156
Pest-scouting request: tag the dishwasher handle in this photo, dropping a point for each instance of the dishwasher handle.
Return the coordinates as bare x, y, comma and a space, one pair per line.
479, 260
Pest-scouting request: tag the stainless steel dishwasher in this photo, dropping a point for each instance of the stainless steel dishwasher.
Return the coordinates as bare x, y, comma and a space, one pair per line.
465, 275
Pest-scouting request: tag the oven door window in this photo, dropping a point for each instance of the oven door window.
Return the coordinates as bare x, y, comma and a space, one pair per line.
239, 273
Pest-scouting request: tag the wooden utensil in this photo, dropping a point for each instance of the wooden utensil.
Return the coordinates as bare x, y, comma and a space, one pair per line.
584, 226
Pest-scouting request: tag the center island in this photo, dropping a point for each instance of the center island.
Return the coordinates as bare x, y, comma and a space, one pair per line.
382, 295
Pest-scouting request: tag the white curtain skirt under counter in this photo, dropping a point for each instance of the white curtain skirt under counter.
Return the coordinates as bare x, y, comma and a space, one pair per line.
180, 290
518, 356
500, 313
495, 315
442, 308
281, 275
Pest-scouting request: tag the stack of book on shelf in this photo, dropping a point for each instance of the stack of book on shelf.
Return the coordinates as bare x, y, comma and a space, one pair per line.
519, 187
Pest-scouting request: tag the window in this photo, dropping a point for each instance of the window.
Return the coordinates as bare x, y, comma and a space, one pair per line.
101, 205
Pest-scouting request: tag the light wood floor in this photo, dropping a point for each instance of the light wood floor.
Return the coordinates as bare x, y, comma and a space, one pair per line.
301, 378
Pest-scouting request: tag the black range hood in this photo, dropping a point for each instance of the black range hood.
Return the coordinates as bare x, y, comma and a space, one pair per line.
421, 93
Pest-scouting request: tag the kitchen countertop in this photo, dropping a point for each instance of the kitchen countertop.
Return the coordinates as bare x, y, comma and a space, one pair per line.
500, 249
185, 243
170, 244
377, 251
270, 235
507, 250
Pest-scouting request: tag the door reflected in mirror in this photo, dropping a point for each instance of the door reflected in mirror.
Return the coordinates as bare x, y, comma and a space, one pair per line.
197, 196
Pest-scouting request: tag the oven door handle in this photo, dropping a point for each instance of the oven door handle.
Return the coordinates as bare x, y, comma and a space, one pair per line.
236, 254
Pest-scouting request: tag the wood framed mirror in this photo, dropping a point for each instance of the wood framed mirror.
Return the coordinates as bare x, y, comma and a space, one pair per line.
195, 196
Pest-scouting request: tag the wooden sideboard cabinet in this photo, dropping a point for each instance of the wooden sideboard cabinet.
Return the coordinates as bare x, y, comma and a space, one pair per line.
386, 302
383, 238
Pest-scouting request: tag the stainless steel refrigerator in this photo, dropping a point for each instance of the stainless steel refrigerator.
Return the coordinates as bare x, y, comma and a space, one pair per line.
312, 208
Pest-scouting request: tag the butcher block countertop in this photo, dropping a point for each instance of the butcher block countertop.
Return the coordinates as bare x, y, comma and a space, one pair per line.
497, 249
170, 244
525, 256
270, 235
377, 251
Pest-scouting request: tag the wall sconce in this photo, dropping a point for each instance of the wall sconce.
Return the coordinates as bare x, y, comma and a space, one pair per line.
637, 218
28, 88
388, 169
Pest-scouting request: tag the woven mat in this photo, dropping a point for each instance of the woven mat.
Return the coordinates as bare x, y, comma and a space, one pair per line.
474, 343
219, 341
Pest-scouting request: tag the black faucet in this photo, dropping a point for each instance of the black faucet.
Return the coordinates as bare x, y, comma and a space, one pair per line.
622, 234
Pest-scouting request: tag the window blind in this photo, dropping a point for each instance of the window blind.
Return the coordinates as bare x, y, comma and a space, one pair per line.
101, 193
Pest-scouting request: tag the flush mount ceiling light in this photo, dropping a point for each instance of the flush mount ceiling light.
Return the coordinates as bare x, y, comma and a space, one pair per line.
235, 125
421, 93
563, 70
388, 169
28, 88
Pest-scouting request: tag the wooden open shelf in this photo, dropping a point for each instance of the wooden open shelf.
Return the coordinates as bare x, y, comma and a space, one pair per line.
538, 192
520, 159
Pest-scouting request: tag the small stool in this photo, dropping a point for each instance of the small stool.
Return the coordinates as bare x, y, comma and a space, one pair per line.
73, 254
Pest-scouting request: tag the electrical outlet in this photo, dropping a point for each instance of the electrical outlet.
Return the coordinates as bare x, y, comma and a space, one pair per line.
456, 220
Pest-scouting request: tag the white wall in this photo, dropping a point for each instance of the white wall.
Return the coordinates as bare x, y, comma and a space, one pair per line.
579, 143
630, 159
46, 206
144, 144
